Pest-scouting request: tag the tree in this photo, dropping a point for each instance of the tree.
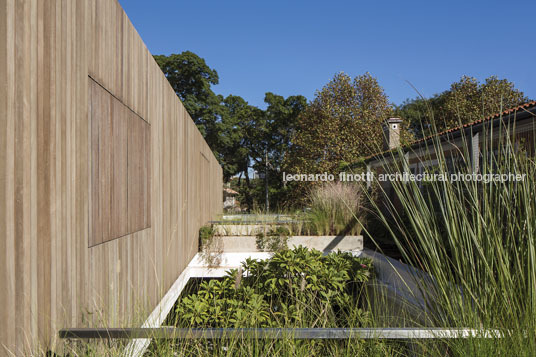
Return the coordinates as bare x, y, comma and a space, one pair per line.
217, 119
417, 112
275, 128
273, 141
239, 126
466, 101
342, 124
240, 135
263, 134
191, 79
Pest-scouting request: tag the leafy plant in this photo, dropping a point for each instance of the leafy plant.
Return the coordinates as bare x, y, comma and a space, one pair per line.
298, 287
210, 245
274, 240
206, 234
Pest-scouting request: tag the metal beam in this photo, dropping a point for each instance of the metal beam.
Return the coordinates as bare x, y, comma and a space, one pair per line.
277, 333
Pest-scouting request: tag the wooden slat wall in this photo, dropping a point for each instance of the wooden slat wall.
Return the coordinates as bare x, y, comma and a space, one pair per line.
49, 277
120, 168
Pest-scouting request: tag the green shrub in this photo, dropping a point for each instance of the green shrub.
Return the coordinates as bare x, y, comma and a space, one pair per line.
210, 245
206, 233
295, 288
274, 240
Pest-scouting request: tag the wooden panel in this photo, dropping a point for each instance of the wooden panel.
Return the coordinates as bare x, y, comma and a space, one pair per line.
58, 267
5, 274
119, 202
138, 180
120, 164
146, 160
101, 163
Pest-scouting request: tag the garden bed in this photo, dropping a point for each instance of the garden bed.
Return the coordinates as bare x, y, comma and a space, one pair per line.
294, 288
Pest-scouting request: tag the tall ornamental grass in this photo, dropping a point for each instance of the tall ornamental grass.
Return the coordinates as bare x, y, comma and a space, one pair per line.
476, 239
333, 208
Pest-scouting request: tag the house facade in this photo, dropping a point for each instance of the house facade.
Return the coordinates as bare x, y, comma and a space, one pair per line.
462, 148
466, 142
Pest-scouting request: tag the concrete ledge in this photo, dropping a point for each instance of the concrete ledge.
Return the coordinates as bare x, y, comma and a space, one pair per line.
322, 243
242, 229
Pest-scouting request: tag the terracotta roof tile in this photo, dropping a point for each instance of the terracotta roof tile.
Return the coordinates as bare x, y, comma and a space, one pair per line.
491, 117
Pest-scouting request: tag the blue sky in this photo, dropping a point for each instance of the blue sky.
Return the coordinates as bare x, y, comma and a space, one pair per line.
295, 47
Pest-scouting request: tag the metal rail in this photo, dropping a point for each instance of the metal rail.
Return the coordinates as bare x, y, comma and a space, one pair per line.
277, 333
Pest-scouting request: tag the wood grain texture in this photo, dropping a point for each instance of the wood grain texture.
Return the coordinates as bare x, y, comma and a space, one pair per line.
57, 267
120, 123
120, 176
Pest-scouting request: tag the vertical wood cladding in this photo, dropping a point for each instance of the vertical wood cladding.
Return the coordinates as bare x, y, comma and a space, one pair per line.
120, 167
58, 212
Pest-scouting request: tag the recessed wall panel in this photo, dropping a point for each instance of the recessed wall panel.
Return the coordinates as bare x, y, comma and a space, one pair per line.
120, 182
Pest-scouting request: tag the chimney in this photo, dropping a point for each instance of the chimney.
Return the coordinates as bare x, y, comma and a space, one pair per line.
391, 133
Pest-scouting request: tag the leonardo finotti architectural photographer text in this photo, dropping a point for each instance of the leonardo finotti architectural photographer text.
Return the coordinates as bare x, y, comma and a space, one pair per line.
403, 177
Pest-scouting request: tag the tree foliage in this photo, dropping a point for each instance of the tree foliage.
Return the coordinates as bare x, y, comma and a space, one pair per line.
467, 100
342, 124
265, 134
238, 123
191, 79
238, 133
